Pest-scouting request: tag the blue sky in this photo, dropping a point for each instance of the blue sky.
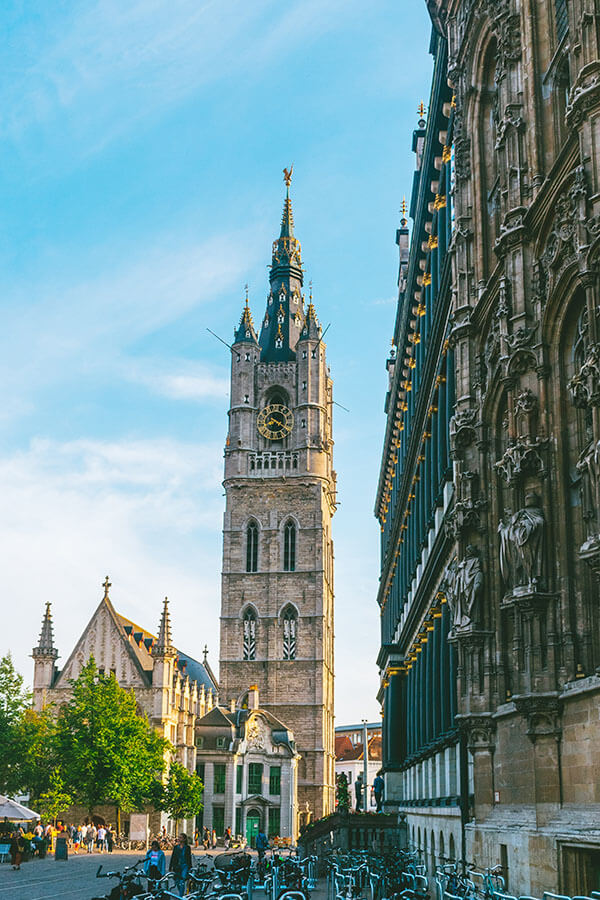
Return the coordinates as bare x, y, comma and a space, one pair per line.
141, 152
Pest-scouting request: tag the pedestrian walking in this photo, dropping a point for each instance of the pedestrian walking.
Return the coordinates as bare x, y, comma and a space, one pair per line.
378, 786
181, 863
214, 839
358, 792
154, 864
206, 838
110, 839
17, 849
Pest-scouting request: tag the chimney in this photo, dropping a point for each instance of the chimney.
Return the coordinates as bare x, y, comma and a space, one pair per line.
253, 696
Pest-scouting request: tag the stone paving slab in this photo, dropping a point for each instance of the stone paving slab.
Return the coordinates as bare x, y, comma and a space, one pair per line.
48, 879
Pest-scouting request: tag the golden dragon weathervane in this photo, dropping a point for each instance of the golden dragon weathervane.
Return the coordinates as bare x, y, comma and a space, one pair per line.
287, 175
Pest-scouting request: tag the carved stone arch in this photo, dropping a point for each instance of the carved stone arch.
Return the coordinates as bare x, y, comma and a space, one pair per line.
276, 394
289, 604
249, 606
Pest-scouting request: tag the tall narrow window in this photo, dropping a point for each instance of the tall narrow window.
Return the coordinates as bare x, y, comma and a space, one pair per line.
562, 19
252, 547
289, 547
290, 629
249, 641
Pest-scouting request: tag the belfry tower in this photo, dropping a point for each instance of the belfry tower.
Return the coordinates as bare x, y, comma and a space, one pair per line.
277, 588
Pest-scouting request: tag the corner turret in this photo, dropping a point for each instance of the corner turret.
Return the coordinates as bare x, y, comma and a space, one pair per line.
44, 656
245, 333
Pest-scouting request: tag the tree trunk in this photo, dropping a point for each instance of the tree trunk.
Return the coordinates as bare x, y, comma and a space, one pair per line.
118, 810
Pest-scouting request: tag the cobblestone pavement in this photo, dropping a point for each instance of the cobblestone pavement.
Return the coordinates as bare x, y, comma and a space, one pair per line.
46, 879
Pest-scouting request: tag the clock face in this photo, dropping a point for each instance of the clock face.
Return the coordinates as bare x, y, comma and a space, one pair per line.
275, 421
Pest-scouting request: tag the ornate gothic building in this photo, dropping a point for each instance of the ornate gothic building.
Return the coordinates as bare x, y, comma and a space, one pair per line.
491, 531
277, 592
172, 688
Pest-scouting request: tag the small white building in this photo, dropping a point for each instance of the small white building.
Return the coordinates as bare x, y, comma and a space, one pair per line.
248, 762
349, 755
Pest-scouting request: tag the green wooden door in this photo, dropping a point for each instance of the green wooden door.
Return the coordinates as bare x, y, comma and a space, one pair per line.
252, 824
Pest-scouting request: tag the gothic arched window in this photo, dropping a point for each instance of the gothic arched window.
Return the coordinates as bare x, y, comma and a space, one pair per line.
249, 635
290, 632
289, 547
252, 547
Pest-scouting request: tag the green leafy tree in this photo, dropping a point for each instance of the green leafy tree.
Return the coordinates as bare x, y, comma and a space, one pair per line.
181, 796
109, 753
14, 700
56, 799
35, 752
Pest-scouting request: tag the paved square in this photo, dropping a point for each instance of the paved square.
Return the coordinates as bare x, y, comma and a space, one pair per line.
42, 879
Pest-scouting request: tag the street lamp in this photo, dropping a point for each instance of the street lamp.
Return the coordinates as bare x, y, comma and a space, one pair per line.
365, 762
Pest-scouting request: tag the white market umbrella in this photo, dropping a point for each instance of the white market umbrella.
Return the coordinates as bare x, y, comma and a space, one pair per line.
15, 812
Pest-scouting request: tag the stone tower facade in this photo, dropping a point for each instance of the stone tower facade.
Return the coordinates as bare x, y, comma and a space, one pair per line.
277, 587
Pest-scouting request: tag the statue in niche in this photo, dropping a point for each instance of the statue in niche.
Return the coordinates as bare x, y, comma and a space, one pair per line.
588, 465
506, 548
467, 587
526, 534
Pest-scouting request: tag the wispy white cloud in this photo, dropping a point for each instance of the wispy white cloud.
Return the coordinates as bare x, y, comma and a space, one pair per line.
178, 379
157, 52
84, 322
148, 513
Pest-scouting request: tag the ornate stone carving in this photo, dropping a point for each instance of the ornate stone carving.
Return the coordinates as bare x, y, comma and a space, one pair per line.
462, 429
464, 583
521, 457
584, 94
465, 513
526, 412
588, 465
542, 712
257, 736
479, 730
585, 385
522, 546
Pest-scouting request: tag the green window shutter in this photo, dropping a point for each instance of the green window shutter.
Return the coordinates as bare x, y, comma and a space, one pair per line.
274, 822
255, 771
238, 820
239, 774
219, 819
219, 779
275, 780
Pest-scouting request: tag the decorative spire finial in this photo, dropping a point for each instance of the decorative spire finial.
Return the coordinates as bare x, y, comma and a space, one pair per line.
164, 641
421, 112
287, 175
106, 585
403, 220
205, 651
45, 645
246, 289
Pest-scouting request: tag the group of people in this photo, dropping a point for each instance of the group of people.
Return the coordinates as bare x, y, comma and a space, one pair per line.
86, 836
155, 863
378, 788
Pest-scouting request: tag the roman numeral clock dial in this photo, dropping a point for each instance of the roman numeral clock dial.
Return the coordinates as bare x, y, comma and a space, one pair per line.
275, 421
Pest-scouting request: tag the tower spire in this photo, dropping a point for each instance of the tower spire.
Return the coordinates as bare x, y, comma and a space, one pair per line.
285, 312
45, 646
164, 641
